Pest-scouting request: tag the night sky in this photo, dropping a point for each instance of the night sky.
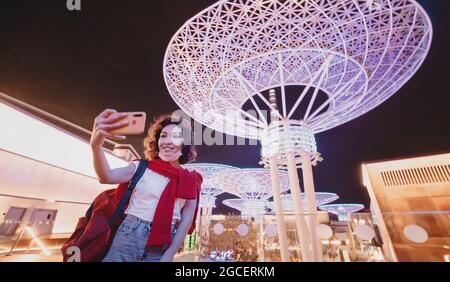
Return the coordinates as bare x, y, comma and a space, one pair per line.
110, 55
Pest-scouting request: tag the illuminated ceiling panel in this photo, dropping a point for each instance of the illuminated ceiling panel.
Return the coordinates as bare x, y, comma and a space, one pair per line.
33, 138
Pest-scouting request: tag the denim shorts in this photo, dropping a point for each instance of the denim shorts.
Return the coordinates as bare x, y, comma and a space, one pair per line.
130, 243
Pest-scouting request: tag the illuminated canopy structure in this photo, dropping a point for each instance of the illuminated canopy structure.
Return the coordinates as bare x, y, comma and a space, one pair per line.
347, 56
209, 190
234, 50
322, 198
342, 210
254, 187
250, 208
251, 184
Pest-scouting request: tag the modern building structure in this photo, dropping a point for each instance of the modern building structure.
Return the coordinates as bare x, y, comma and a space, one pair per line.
322, 198
342, 210
233, 64
410, 201
47, 179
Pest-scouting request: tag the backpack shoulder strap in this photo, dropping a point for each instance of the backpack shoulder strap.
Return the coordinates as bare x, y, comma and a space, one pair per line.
138, 174
127, 195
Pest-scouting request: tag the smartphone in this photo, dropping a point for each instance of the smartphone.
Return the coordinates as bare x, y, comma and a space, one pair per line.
136, 124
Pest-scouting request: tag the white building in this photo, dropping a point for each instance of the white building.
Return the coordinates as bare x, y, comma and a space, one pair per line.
47, 179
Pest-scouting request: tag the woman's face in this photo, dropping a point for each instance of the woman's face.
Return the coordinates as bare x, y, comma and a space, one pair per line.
171, 139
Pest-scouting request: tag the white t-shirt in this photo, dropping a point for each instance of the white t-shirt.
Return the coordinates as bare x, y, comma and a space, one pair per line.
146, 194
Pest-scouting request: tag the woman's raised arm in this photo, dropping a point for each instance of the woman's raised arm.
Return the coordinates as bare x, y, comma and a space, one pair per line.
105, 122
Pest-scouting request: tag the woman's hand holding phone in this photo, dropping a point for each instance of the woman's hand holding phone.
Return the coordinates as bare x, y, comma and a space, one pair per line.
105, 122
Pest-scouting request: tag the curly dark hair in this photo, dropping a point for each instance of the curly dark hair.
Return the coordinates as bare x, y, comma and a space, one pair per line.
151, 141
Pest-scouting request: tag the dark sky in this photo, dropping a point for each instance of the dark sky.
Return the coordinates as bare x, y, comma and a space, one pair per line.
74, 64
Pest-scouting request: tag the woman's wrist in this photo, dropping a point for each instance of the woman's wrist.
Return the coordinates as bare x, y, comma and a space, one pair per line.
96, 147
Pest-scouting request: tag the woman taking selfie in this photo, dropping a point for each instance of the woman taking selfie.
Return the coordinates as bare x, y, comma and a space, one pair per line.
163, 205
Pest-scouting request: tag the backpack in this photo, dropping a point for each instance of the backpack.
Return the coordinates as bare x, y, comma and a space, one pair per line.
95, 231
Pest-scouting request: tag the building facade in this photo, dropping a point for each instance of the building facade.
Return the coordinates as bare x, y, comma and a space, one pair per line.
410, 200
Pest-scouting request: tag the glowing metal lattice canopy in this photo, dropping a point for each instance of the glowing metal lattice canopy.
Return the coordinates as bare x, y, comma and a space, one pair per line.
322, 198
250, 183
208, 171
342, 210
209, 190
247, 207
357, 52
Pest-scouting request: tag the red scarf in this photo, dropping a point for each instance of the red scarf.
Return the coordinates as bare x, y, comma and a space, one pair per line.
182, 184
